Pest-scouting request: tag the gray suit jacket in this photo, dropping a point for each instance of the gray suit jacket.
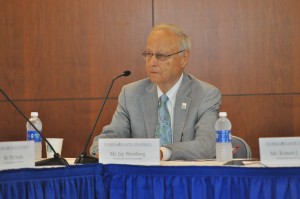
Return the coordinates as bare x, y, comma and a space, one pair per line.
193, 130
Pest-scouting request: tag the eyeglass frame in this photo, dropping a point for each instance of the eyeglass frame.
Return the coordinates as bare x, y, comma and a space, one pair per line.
159, 56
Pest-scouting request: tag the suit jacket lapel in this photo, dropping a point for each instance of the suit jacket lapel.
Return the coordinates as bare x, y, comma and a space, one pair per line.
149, 103
181, 108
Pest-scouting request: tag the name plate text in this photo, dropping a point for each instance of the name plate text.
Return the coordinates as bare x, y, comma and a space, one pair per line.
134, 151
19, 154
280, 151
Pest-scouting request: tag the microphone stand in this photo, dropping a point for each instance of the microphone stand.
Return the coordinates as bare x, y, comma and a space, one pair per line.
57, 159
84, 158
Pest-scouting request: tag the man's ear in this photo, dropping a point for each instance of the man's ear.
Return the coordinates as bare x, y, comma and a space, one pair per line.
186, 57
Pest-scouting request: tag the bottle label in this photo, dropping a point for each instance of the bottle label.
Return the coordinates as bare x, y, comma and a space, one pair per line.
33, 135
223, 136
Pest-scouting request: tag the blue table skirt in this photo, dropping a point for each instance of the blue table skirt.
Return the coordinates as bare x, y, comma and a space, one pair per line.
124, 181
69, 182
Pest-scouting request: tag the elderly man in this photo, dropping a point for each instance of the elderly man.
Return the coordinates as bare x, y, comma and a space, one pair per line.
170, 104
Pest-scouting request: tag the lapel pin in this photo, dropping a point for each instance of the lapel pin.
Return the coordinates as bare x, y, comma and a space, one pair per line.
183, 106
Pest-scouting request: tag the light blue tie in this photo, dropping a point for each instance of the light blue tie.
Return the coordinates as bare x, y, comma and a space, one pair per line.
163, 129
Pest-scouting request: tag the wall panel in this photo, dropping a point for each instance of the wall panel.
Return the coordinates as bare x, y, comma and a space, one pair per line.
240, 46
59, 57
70, 49
250, 50
258, 116
69, 119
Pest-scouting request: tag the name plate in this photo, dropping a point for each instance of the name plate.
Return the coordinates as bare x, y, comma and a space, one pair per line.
15, 155
134, 151
280, 151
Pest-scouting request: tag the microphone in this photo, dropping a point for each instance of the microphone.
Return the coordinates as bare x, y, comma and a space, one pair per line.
57, 159
84, 158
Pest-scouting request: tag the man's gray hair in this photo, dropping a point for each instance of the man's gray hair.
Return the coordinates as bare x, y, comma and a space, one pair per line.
185, 41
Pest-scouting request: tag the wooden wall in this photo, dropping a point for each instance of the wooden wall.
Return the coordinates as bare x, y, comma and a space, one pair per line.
59, 57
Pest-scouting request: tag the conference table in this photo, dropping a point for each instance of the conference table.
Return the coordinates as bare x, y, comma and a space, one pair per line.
171, 179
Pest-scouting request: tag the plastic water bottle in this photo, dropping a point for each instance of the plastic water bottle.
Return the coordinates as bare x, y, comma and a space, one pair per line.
223, 138
35, 136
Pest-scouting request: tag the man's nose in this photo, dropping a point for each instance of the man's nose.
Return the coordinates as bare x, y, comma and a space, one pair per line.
153, 59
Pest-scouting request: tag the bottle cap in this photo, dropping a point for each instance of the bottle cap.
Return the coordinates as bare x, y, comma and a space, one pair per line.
34, 114
223, 114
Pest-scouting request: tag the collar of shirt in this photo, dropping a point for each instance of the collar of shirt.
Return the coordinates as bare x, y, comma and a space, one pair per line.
172, 92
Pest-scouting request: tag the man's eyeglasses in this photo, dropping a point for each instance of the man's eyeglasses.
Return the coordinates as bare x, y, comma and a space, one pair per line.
158, 56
